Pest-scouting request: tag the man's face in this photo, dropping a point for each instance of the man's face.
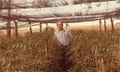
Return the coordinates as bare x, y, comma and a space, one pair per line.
60, 26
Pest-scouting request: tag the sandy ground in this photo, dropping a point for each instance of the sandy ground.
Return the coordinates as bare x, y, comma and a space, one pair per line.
22, 31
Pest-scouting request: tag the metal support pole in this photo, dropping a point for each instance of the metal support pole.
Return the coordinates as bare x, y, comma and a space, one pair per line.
105, 27
46, 27
30, 27
40, 27
16, 28
67, 25
9, 19
100, 25
112, 24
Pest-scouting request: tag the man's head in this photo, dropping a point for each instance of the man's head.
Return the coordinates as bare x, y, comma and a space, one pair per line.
60, 25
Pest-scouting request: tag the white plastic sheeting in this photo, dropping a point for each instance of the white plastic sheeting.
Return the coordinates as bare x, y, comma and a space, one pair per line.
74, 12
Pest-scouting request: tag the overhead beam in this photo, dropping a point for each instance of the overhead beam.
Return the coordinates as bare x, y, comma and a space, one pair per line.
54, 19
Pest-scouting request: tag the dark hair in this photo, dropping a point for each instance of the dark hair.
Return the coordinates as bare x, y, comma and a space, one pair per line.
60, 22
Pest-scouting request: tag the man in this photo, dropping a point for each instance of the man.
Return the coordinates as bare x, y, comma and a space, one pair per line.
63, 37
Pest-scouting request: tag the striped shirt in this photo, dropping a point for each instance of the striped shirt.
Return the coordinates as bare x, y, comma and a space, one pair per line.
63, 37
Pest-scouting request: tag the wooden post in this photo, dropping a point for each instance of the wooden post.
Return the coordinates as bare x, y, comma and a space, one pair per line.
9, 19
16, 28
118, 69
67, 25
46, 27
99, 62
40, 27
96, 60
30, 27
112, 23
7, 67
105, 27
102, 65
46, 50
100, 25
46, 45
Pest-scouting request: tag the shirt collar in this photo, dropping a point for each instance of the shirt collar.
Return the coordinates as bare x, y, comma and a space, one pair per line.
61, 31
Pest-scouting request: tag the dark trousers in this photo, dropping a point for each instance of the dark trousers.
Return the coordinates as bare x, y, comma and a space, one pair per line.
63, 60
